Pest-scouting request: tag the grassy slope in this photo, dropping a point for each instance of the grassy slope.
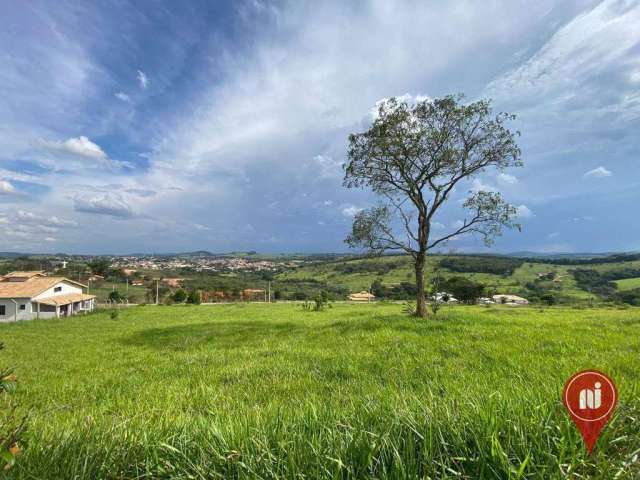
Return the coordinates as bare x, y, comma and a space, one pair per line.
628, 283
511, 284
137, 294
266, 391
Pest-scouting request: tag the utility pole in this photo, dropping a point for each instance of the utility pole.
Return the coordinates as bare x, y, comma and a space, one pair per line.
269, 292
156, 291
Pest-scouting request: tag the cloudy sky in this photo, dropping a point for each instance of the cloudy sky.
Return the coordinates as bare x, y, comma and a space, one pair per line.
150, 126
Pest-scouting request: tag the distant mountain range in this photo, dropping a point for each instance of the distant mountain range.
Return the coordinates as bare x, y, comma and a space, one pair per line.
251, 253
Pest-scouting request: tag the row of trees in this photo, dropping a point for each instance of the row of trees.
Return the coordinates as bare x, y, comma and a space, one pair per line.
462, 288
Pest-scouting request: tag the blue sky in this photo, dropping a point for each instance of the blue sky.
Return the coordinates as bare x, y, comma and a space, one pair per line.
151, 126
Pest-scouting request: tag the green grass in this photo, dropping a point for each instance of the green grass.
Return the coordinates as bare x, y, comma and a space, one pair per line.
357, 391
137, 294
628, 283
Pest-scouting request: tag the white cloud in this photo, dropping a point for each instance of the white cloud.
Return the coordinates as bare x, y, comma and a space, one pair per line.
553, 235
142, 79
587, 45
6, 188
599, 172
522, 211
122, 96
327, 203
327, 166
478, 185
351, 211
26, 217
506, 179
112, 204
80, 146
586, 218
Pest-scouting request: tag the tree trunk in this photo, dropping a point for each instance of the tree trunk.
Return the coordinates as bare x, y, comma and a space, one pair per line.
421, 302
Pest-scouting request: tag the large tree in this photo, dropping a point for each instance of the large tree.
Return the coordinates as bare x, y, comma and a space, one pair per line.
413, 156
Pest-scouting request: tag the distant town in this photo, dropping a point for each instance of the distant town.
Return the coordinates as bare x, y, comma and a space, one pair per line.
199, 263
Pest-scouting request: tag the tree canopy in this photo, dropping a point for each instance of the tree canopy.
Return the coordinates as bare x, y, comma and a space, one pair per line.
413, 156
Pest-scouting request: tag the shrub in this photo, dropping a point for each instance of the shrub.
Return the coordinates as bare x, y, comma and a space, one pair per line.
194, 297
115, 297
179, 296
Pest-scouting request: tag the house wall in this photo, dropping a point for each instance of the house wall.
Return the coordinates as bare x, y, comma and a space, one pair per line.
67, 288
10, 310
46, 311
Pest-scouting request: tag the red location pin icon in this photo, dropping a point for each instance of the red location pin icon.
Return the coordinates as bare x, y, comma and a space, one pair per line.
590, 397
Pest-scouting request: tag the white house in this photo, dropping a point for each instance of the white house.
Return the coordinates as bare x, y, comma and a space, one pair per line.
444, 297
510, 300
29, 295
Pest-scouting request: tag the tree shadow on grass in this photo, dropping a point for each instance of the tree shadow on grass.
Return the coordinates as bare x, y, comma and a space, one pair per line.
223, 335
229, 335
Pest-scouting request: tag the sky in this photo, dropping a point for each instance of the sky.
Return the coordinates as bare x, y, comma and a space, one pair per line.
151, 126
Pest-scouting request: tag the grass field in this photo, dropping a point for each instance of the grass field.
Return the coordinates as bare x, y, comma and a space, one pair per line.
628, 283
102, 290
357, 391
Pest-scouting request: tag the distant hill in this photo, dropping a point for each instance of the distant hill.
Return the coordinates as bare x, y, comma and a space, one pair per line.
12, 254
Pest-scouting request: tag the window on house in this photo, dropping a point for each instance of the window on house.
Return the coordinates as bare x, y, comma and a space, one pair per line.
23, 307
57, 289
2, 310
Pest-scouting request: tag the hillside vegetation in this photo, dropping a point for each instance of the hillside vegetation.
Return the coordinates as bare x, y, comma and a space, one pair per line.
272, 391
565, 280
531, 278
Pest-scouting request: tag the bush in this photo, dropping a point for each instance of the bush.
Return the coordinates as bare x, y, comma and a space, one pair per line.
116, 297
549, 299
194, 297
463, 289
179, 296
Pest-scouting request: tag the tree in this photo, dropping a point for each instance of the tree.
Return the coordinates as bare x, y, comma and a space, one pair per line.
180, 296
377, 289
194, 297
99, 266
412, 157
115, 296
463, 289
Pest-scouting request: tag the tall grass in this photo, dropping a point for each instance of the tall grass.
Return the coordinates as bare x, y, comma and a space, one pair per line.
271, 391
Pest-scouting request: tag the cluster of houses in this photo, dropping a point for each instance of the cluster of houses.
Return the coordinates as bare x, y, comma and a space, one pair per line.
32, 295
444, 297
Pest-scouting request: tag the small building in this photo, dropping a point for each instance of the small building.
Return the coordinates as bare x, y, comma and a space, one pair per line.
510, 300
214, 296
444, 297
362, 297
30, 295
249, 294
173, 282
95, 278
485, 301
